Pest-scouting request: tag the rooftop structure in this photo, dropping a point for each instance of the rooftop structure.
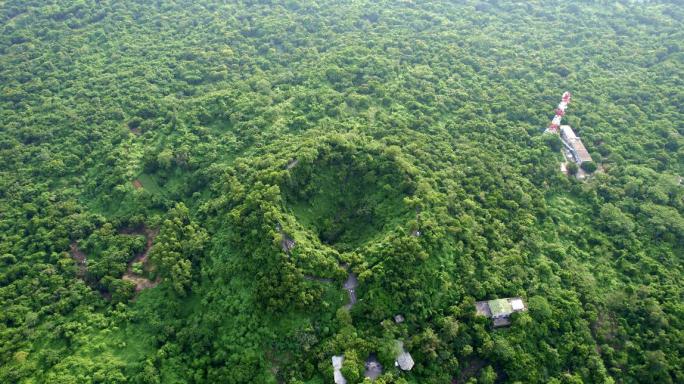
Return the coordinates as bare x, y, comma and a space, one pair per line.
404, 360
499, 310
567, 133
337, 373
574, 145
373, 367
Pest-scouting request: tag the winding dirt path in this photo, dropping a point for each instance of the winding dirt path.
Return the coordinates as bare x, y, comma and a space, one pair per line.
349, 285
140, 281
80, 258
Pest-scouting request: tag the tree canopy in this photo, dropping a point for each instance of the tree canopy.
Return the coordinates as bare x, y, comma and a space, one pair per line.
185, 187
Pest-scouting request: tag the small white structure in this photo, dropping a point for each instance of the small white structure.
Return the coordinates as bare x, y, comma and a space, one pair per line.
574, 145
337, 373
500, 310
404, 360
373, 367
517, 304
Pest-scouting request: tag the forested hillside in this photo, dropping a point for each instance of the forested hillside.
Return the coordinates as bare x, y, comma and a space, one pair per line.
186, 185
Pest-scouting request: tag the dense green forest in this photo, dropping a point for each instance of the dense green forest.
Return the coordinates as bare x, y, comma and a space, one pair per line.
185, 186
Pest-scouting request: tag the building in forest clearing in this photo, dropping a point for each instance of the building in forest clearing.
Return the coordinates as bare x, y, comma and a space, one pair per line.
500, 310
404, 360
574, 145
373, 368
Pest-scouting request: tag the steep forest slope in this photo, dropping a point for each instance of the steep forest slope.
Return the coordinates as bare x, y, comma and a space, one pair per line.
185, 186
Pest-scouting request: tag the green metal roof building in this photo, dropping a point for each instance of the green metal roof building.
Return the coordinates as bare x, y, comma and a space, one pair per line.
499, 310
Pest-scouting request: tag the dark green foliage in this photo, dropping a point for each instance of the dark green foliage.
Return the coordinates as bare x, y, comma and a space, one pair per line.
185, 186
589, 166
554, 142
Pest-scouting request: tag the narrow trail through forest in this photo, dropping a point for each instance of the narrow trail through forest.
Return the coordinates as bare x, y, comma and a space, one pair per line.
350, 286
140, 281
80, 259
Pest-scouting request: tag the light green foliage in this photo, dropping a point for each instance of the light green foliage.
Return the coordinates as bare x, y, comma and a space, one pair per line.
500, 307
180, 242
137, 268
274, 147
487, 376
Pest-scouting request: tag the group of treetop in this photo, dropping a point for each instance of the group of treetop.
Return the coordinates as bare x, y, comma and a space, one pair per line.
186, 186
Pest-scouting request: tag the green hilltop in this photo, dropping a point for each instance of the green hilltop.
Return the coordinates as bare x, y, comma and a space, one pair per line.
236, 192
